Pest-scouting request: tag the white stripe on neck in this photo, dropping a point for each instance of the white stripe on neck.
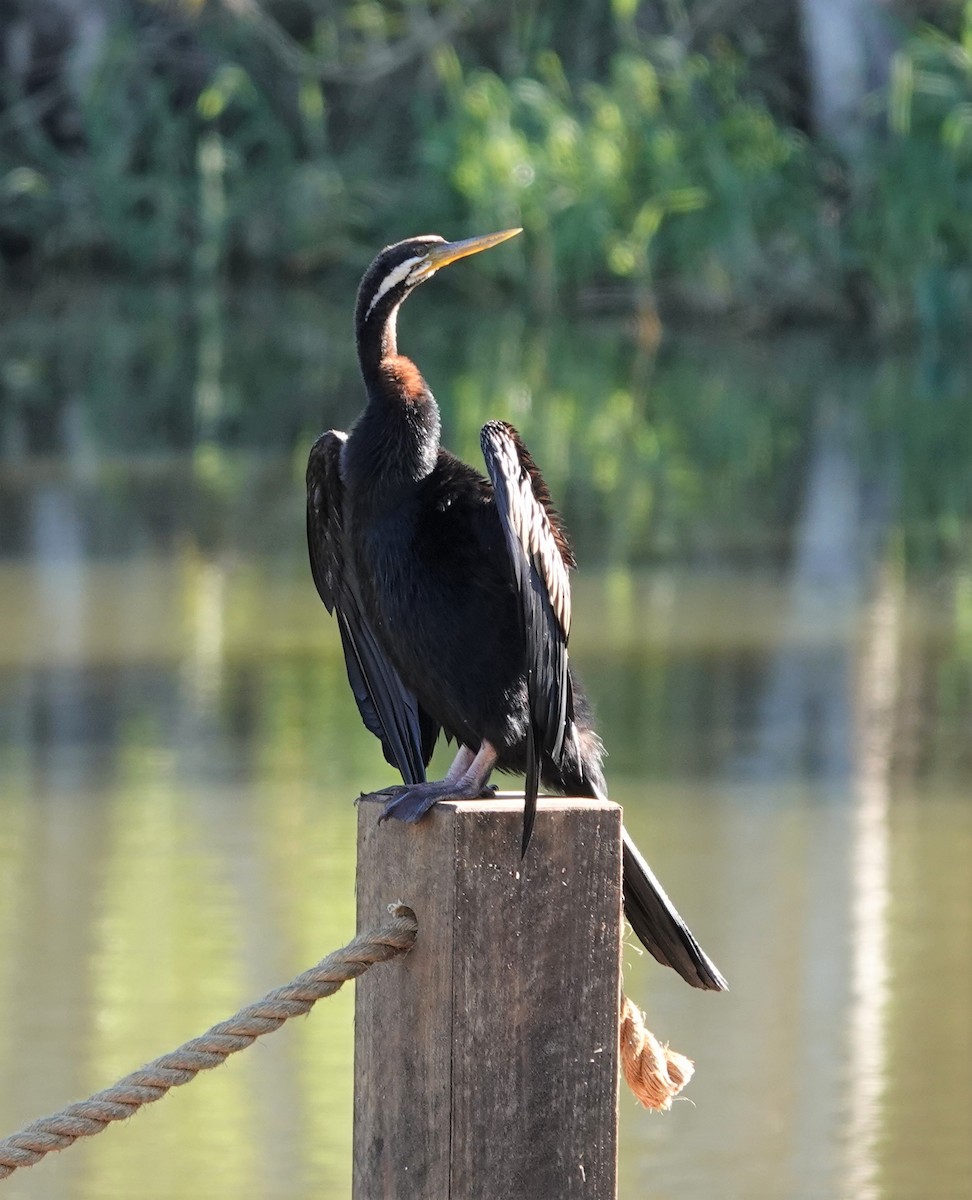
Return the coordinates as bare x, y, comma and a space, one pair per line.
392, 279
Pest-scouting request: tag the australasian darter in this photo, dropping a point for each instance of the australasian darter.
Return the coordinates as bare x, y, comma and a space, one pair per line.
452, 596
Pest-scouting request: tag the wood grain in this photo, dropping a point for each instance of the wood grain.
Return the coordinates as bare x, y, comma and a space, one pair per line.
486, 1061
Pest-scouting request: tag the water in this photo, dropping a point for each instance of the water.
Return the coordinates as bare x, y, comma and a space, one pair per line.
775, 622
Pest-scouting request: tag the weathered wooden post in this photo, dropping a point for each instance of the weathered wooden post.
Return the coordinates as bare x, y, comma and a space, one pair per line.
486, 1061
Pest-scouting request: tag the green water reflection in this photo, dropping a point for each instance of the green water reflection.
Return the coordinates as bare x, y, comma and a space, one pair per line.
775, 622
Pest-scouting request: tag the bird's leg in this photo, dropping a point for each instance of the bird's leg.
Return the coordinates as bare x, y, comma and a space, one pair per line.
466, 780
460, 764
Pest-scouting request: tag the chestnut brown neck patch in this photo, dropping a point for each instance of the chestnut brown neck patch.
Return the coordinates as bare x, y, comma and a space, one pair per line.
403, 377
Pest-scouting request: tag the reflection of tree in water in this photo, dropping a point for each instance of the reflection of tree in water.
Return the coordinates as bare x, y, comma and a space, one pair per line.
808, 727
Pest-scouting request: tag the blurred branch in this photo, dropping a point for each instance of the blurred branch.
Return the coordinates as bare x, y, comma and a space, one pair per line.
426, 33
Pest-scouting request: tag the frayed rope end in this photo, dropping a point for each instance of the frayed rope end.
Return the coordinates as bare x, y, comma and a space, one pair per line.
654, 1073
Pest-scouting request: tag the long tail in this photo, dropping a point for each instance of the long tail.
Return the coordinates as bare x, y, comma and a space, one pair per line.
650, 913
661, 930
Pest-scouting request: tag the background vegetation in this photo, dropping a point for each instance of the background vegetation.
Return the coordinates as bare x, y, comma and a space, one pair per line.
661, 154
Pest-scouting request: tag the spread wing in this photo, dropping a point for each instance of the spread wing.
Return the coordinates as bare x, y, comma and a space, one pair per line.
541, 557
387, 707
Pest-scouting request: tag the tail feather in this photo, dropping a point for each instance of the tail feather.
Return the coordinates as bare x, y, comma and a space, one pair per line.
662, 931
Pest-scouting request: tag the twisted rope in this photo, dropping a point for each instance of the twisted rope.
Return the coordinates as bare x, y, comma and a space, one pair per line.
85, 1118
654, 1073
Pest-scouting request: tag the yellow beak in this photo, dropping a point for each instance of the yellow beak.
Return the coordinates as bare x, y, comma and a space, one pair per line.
449, 252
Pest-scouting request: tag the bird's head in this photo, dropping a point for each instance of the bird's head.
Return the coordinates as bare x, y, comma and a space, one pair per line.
400, 268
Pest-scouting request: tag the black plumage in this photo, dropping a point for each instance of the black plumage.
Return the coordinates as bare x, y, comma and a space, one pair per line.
452, 596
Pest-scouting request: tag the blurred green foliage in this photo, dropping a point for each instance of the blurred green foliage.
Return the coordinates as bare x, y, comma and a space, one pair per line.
665, 169
646, 171
911, 226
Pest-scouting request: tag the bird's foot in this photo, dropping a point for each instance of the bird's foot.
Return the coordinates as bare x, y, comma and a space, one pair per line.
412, 802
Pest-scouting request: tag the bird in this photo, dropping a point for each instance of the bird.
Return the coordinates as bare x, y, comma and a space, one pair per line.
451, 592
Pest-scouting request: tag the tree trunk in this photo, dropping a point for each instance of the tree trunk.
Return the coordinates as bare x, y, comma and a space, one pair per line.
849, 45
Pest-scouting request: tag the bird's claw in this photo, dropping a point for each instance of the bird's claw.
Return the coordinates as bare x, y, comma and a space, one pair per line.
382, 794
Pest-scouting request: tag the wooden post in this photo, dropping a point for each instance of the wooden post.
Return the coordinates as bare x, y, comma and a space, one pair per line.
486, 1061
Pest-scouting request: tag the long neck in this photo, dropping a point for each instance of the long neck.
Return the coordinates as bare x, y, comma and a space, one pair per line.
376, 336
395, 441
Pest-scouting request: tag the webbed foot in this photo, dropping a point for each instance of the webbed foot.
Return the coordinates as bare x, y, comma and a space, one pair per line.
466, 781
411, 803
